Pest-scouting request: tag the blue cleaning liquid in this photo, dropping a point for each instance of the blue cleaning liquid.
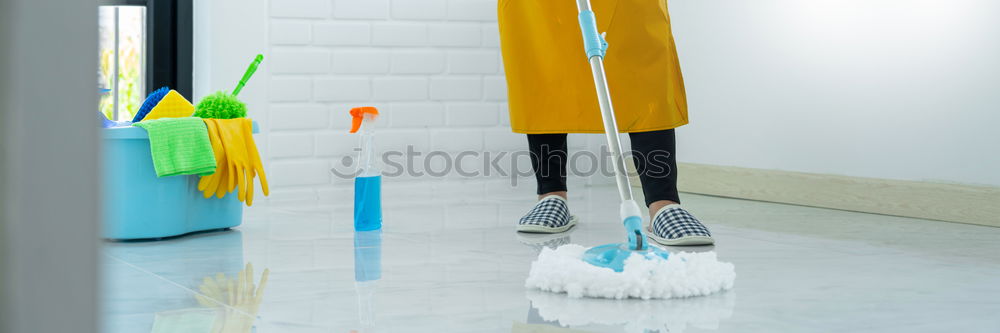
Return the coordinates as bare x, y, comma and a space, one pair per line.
368, 203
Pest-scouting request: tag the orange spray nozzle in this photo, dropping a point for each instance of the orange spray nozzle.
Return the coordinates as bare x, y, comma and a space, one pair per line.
358, 114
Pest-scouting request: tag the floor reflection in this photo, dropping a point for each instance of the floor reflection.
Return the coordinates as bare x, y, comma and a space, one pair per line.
199, 284
537, 241
228, 304
639, 316
367, 272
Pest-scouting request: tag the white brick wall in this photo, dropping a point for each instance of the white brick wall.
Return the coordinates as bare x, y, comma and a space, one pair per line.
300, 8
420, 114
298, 117
360, 62
290, 32
400, 88
473, 62
290, 145
361, 9
341, 33
419, 9
495, 88
472, 114
458, 88
472, 10
298, 172
399, 34
300, 61
418, 62
433, 68
455, 34
290, 89
333, 89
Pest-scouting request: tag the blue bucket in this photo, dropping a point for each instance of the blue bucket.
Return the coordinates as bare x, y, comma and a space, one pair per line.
139, 205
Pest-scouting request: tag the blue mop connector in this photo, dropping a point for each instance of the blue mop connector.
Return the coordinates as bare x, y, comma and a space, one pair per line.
368, 181
636, 238
593, 42
613, 256
632, 220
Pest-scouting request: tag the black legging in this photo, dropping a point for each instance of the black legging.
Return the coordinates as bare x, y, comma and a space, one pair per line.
653, 153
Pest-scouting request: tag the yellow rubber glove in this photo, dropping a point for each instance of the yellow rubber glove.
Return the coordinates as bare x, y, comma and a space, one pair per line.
258, 168
212, 184
231, 131
242, 158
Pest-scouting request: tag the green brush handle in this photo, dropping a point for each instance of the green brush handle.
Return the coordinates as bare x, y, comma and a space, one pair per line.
248, 74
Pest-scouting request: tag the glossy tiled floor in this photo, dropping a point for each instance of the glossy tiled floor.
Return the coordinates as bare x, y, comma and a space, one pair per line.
448, 261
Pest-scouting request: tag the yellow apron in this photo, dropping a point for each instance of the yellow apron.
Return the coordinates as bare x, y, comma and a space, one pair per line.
549, 84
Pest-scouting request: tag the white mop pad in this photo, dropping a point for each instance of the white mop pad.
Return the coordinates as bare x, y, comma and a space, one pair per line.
684, 274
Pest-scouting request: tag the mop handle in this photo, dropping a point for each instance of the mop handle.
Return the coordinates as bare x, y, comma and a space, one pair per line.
595, 47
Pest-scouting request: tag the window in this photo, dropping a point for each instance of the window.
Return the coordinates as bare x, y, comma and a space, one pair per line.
144, 45
122, 69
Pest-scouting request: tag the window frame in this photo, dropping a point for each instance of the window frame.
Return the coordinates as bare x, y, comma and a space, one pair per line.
169, 43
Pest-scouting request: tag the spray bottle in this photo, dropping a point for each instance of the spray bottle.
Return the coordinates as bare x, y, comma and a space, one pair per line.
368, 180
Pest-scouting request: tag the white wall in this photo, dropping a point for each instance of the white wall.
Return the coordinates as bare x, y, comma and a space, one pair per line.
900, 89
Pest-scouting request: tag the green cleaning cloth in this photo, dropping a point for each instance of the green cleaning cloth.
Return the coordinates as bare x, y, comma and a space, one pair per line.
180, 146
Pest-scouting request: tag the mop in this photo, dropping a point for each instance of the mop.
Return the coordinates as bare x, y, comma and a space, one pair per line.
633, 269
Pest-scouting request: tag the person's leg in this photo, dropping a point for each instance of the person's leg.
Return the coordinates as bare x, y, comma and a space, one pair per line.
548, 160
656, 163
551, 212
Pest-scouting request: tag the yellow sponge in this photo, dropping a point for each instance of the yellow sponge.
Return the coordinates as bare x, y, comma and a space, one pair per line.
173, 105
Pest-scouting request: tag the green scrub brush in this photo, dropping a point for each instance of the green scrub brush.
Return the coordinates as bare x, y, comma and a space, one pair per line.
222, 105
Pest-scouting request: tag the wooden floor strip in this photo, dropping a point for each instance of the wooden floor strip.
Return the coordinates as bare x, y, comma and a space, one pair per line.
936, 201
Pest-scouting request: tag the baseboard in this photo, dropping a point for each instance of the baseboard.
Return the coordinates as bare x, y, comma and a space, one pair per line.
946, 202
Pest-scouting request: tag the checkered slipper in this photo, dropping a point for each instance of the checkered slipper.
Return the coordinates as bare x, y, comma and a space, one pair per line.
674, 226
550, 215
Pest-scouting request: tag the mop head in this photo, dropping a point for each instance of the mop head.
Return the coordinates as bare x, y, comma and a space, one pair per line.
220, 105
683, 274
